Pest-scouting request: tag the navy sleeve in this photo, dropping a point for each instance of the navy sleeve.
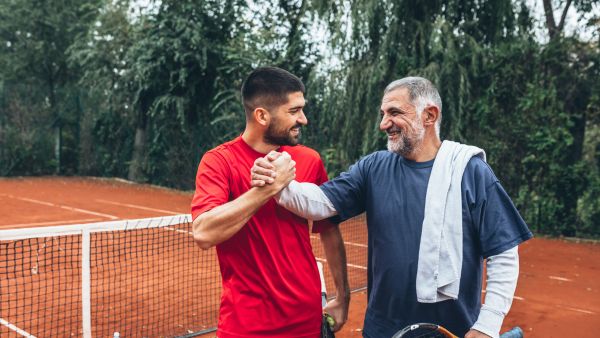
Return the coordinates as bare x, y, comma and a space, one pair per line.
499, 225
347, 191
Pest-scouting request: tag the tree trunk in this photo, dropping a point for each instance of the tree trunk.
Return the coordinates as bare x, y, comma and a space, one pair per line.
57, 145
57, 123
549, 14
137, 159
553, 29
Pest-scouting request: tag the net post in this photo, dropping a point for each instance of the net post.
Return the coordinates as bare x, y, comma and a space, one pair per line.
85, 284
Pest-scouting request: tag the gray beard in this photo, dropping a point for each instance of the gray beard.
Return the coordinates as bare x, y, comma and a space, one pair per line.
406, 145
402, 147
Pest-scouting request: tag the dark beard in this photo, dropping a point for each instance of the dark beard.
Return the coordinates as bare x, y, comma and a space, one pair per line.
281, 138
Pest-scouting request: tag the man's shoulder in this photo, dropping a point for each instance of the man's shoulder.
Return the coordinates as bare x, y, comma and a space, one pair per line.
222, 156
380, 154
476, 163
302, 151
479, 171
379, 157
224, 148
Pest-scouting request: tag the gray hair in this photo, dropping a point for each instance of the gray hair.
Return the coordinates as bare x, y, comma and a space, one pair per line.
421, 93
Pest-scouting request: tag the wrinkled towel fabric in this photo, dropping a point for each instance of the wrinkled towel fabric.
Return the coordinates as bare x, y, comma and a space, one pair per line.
441, 248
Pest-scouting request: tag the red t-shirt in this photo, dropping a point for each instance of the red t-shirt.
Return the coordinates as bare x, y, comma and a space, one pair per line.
271, 284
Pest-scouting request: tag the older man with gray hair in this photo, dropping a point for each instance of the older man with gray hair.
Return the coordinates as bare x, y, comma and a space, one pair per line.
435, 211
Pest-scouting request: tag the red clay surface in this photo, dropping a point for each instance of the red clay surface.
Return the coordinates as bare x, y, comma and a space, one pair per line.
557, 295
24, 202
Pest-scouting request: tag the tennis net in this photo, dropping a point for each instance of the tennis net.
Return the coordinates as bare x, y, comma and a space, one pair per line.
141, 278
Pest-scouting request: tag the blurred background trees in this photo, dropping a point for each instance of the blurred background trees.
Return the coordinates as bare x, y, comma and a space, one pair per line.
141, 90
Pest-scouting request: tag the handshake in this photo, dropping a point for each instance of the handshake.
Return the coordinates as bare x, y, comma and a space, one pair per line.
274, 171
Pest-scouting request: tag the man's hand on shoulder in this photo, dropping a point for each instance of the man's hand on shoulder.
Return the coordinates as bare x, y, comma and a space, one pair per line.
476, 334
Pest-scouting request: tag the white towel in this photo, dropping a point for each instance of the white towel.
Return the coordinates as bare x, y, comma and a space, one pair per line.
440, 252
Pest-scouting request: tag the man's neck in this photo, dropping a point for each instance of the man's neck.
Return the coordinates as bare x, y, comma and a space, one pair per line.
427, 151
255, 140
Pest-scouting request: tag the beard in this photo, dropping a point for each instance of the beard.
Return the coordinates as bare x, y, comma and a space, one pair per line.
407, 143
282, 137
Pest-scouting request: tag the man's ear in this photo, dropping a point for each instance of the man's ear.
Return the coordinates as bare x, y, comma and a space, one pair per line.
431, 114
261, 116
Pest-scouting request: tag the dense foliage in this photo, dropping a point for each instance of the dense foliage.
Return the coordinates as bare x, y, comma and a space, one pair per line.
107, 88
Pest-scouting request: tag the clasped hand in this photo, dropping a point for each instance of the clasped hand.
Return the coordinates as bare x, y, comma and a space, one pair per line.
275, 170
267, 169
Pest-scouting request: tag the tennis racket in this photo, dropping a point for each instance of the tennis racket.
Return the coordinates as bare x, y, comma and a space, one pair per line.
427, 330
424, 330
327, 322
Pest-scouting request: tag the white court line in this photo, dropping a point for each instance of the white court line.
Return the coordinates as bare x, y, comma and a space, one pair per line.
61, 206
560, 279
178, 230
576, 309
317, 258
16, 329
348, 243
139, 207
514, 297
315, 237
51, 223
561, 306
347, 264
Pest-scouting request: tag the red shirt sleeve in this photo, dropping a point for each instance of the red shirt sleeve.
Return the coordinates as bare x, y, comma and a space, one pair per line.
321, 178
212, 183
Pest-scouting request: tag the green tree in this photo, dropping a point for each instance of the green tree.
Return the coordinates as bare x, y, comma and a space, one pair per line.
525, 102
176, 64
101, 54
35, 38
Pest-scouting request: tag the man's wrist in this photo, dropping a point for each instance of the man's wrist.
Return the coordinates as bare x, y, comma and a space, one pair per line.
282, 193
489, 322
343, 296
266, 192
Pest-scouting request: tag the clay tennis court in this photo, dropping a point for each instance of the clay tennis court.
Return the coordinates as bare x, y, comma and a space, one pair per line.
557, 295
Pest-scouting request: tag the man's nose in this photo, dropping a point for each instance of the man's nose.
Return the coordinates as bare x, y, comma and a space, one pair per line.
302, 119
385, 123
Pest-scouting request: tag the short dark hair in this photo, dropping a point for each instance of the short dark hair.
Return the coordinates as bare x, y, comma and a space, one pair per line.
268, 87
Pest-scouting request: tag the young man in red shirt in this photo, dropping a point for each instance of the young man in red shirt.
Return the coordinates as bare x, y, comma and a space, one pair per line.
271, 285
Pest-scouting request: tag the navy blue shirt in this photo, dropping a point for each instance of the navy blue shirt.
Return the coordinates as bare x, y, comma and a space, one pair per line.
392, 189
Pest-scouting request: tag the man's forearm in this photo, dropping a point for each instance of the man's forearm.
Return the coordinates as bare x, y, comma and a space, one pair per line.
336, 259
502, 275
335, 252
221, 223
306, 200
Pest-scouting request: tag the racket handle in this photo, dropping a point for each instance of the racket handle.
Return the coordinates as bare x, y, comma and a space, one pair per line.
515, 332
323, 287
